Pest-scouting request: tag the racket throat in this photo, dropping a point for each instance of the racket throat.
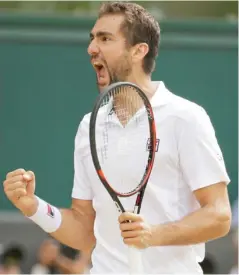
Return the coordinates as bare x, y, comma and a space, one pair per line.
136, 208
137, 204
119, 206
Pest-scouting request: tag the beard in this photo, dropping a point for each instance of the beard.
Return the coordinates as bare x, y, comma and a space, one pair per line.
121, 71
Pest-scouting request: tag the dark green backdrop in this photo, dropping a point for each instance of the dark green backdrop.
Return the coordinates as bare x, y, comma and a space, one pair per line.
47, 85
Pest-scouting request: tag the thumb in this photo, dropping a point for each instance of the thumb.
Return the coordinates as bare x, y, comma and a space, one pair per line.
129, 216
29, 176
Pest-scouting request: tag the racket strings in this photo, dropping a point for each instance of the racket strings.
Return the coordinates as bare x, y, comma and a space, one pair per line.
126, 104
122, 138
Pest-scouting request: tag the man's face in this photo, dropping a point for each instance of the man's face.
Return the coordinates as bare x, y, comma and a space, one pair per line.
109, 53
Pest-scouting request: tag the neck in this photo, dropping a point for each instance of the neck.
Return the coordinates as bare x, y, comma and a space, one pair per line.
145, 83
127, 104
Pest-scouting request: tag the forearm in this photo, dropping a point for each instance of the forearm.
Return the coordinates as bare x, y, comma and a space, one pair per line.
76, 230
199, 227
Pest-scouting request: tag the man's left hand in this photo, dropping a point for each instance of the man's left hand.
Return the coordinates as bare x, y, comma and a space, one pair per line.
137, 232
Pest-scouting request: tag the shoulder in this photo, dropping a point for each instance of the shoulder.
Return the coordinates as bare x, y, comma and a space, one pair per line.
84, 124
184, 114
187, 112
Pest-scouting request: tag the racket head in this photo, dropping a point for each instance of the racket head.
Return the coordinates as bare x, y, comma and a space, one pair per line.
107, 96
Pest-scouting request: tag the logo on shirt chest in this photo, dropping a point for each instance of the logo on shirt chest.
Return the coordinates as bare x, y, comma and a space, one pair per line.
148, 145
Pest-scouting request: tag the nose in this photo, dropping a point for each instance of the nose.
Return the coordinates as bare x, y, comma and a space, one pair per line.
93, 48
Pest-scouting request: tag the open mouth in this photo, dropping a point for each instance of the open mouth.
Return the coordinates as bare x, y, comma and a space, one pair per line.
98, 66
101, 73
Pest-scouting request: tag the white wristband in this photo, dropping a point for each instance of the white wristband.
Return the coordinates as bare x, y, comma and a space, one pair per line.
47, 216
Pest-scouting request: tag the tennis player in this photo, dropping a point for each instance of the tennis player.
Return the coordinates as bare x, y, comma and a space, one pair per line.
186, 201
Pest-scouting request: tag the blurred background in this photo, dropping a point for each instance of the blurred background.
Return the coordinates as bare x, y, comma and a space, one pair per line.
47, 85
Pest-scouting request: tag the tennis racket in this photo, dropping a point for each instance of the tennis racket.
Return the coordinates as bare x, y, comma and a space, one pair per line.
123, 145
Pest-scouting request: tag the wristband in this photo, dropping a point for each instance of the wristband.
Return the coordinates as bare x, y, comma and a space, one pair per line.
47, 216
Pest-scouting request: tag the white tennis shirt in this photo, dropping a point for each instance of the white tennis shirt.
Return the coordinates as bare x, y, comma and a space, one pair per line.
188, 158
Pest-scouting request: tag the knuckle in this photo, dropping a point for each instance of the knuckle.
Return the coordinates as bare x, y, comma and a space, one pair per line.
121, 227
8, 175
15, 172
141, 218
5, 186
4, 183
141, 225
5, 190
20, 170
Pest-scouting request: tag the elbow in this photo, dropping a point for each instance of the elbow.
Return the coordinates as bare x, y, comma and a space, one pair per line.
224, 229
223, 223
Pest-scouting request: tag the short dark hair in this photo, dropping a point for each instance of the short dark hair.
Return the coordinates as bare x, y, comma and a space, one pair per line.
139, 26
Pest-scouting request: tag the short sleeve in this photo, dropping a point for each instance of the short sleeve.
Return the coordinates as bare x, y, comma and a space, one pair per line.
200, 156
81, 188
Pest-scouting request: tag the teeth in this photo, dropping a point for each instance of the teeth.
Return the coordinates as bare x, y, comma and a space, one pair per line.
97, 64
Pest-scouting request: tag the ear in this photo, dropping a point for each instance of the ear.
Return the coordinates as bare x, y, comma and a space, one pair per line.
139, 51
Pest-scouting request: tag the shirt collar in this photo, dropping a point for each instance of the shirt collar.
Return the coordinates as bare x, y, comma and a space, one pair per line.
161, 97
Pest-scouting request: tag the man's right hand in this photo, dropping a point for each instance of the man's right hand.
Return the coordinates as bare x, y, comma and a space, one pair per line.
19, 187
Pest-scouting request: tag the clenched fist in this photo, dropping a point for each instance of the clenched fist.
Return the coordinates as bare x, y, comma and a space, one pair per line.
19, 187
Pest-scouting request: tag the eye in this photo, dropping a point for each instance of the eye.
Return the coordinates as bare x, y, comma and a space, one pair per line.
91, 39
105, 38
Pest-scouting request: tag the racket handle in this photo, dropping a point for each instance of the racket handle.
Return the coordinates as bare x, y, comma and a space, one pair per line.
135, 261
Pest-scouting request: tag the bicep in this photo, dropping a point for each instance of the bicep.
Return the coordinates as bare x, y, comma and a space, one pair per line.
214, 194
214, 199
84, 212
83, 208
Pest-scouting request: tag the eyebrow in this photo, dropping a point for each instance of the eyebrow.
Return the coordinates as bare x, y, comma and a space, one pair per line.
100, 33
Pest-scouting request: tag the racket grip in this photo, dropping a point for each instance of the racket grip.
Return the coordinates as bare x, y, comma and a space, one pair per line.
135, 260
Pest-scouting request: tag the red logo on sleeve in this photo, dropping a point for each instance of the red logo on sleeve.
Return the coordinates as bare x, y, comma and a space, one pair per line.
50, 211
